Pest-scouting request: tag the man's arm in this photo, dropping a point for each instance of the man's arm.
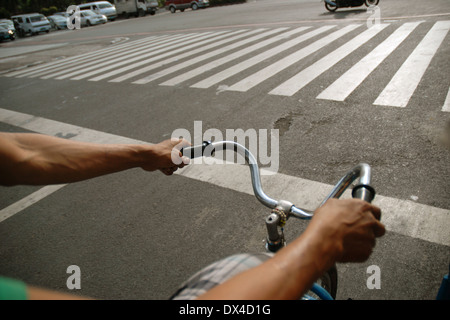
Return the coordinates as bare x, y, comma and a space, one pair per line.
341, 231
36, 159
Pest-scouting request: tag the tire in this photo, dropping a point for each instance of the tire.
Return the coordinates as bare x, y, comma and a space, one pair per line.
329, 7
329, 281
194, 6
371, 2
172, 9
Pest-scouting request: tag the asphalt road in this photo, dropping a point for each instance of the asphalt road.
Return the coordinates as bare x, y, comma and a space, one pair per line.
137, 235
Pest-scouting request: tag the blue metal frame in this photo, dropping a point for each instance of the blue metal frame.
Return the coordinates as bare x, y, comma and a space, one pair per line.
444, 290
321, 292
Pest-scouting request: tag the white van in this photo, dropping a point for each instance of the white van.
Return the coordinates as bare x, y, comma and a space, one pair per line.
101, 7
135, 7
31, 23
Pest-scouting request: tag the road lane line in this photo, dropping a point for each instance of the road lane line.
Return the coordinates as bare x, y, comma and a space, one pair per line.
400, 216
446, 106
350, 80
304, 77
402, 86
28, 201
271, 70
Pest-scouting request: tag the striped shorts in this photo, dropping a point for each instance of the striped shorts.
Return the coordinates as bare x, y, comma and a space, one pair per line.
217, 273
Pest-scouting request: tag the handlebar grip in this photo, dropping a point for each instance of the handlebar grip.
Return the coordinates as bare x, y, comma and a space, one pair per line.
196, 151
364, 192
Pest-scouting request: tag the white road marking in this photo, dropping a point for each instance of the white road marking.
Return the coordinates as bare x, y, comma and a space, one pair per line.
214, 64
401, 216
216, 78
264, 74
301, 79
402, 86
183, 52
208, 55
51, 66
446, 106
140, 54
350, 80
235, 35
28, 201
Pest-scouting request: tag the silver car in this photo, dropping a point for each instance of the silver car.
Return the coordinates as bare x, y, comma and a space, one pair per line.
58, 22
90, 18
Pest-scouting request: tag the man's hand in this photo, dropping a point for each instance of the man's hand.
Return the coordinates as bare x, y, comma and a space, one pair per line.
351, 226
166, 156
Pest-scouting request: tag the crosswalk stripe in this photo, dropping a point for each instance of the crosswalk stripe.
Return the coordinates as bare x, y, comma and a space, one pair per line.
215, 56
54, 64
235, 55
209, 55
350, 80
93, 59
140, 54
199, 51
284, 63
402, 86
161, 54
301, 79
208, 82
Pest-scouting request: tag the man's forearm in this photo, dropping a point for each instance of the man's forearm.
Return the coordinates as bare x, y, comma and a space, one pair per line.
38, 159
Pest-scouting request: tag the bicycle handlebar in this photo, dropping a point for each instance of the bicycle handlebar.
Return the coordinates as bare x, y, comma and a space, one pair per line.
362, 190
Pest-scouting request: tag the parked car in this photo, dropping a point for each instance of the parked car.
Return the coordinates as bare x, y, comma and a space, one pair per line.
31, 23
58, 22
174, 5
62, 14
90, 18
8, 22
6, 32
10, 32
135, 7
101, 7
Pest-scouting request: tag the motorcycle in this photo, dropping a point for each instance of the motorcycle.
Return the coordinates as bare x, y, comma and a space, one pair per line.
332, 5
